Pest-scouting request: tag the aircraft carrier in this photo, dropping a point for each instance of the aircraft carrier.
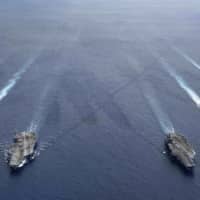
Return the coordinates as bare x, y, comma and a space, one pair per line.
179, 148
22, 150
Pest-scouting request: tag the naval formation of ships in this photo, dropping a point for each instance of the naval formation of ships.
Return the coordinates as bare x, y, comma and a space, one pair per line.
23, 150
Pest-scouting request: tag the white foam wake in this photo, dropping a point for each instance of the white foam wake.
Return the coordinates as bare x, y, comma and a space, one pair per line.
162, 117
39, 115
182, 83
188, 58
15, 78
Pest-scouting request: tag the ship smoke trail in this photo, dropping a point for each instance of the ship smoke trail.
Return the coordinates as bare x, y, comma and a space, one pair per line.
181, 82
162, 117
40, 112
16, 77
188, 58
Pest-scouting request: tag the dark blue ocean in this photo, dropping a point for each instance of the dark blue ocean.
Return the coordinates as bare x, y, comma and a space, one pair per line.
101, 82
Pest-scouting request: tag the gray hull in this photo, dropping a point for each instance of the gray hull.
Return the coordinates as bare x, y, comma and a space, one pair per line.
22, 150
179, 148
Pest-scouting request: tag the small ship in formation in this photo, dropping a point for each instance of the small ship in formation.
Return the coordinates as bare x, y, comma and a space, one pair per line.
179, 148
22, 150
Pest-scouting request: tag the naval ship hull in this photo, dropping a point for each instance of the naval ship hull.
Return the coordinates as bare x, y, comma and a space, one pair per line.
179, 149
23, 150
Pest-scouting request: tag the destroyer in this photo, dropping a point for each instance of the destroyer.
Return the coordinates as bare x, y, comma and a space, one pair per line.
180, 149
22, 150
